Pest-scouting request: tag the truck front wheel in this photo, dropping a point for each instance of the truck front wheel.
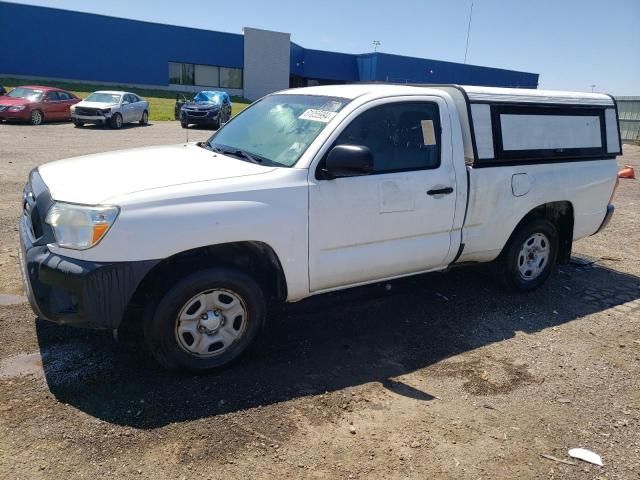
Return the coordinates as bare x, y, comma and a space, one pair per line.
206, 320
529, 257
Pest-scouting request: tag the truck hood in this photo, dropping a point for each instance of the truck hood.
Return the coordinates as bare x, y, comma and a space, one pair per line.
94, 179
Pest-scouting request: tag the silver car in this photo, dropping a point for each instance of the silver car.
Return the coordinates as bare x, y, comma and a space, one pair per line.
111, 108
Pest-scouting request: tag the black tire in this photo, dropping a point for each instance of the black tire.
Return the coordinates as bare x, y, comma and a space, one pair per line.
215, 125
184, 124
78, 124
36, 117
508, 267
116, 121
145, 118
160, 327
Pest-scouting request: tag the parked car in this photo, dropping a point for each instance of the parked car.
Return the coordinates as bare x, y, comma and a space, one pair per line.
113, 108
211, 108
312, 190
3, 91
36, 104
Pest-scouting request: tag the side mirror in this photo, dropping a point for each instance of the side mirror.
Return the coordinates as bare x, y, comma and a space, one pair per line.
348, 161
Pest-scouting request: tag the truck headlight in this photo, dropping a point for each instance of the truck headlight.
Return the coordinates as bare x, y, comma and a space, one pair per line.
80, 226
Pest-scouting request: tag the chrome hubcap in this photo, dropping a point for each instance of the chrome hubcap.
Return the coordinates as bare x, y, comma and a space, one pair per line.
210, 322
37, 117
533, 256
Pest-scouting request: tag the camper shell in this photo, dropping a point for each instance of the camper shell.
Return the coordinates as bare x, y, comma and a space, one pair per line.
498, 125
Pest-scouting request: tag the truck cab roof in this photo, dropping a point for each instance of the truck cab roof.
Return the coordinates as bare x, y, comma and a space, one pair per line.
475, 93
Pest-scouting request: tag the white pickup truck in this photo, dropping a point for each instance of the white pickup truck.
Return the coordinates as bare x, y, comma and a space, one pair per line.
312, 190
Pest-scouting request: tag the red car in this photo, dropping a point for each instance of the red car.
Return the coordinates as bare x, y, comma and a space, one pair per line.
35, 104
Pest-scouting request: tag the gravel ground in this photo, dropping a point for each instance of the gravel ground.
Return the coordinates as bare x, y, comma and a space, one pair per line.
437, 376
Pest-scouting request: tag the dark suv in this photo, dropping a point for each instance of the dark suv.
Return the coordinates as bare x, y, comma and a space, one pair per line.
209, 107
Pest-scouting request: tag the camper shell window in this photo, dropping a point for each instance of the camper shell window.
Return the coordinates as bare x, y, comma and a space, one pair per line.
537, 133
508, 133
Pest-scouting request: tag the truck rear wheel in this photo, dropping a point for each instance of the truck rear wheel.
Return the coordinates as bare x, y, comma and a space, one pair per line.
206, 320
529, 257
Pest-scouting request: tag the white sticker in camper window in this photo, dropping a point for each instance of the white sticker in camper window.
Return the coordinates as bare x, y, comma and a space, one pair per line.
317, 115
428, 132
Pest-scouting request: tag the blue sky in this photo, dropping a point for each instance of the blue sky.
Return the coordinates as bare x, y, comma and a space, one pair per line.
572, 44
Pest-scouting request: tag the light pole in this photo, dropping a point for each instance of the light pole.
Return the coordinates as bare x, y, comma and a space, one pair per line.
466, 48
592, 88
376, 44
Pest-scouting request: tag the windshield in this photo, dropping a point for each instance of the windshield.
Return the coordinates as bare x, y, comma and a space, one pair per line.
213, 97
103, 97
278, 128
30, 93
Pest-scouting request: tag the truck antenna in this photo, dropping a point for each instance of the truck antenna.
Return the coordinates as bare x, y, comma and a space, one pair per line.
466, 48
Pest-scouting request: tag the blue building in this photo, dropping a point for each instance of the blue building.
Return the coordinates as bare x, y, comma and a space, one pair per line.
68, 45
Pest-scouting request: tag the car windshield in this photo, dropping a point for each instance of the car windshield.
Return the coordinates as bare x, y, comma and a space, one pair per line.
29, 93
278, 128
101, 97
213, 97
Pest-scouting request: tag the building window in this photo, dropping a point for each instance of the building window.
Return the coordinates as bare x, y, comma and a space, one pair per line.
207, 76
230, 77
181, 73
204, 75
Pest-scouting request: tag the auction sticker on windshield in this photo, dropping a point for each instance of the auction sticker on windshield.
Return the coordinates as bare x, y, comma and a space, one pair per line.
317, 115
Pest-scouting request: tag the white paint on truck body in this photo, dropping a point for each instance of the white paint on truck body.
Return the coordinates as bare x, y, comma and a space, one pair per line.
331, 234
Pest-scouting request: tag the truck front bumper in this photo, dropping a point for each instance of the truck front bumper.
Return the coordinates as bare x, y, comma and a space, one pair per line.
77, 292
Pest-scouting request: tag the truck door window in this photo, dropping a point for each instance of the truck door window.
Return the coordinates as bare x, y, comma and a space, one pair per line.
401, 136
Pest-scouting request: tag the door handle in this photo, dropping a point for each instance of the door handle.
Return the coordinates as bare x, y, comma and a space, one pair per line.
440, 191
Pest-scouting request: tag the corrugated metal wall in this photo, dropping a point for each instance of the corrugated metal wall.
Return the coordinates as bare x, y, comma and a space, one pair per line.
629, 116
400, 69
47, 42
54, 43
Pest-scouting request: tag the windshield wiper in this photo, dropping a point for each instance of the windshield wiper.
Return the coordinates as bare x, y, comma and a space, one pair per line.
243, 154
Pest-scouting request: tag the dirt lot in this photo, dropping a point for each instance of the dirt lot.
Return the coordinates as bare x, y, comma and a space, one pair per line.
439, 376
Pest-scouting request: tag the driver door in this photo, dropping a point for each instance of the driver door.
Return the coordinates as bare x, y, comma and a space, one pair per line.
388, 223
